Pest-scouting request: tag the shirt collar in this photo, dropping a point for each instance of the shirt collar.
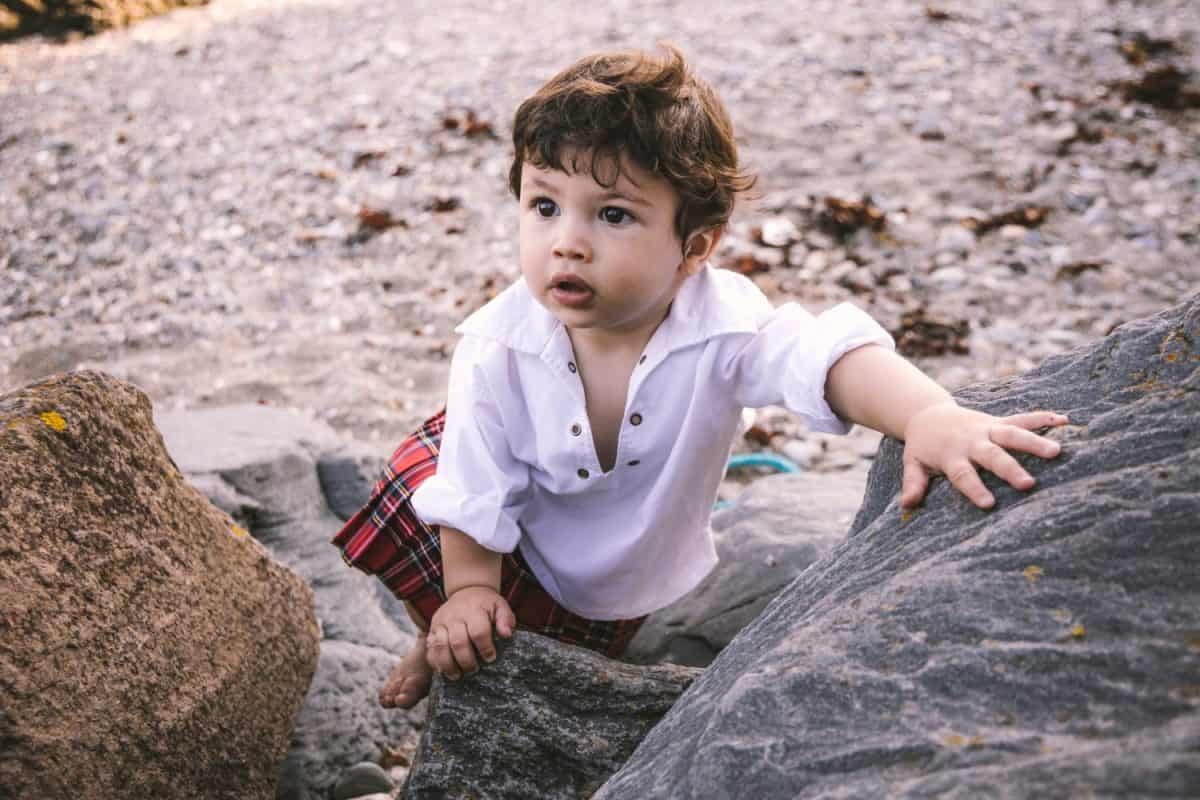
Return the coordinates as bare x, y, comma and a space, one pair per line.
710, 303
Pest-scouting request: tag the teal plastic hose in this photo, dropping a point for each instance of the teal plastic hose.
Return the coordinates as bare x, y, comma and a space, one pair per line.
770, 460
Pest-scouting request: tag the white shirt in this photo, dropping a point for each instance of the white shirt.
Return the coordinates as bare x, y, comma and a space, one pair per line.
518, 467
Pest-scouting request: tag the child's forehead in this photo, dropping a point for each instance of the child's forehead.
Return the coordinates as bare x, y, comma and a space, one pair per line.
605, 171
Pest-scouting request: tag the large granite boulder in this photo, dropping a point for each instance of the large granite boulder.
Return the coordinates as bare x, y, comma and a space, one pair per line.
1050, 647
545, 720
148, 646
777, 527
291, 481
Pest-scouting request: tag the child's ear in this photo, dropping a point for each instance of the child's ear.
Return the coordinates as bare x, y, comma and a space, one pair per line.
700, 246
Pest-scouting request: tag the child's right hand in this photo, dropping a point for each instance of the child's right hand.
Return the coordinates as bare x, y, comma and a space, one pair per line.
462, 627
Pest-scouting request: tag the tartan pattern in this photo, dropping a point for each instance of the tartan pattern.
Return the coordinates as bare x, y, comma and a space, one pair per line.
387, 539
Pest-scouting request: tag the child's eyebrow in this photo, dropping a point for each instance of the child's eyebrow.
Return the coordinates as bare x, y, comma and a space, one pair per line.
612, 194
609, 194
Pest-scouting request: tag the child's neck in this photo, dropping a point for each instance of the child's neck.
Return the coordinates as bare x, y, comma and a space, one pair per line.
615, 343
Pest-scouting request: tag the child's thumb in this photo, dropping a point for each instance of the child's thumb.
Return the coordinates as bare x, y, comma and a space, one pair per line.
914, 484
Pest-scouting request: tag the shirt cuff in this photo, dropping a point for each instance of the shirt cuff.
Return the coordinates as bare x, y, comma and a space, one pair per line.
481, 517
841, 329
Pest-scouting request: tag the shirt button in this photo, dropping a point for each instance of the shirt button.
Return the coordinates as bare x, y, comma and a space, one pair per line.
636, 419
583, 473
576, 429
571, 366
635, 462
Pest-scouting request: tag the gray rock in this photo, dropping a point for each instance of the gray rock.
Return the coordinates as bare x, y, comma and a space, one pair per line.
929, 125
779, 232
803, 452
271, 469
1048, 647
955, 239
949, 278
346, 484
545, 720
1078, 202
362, 779
777, 527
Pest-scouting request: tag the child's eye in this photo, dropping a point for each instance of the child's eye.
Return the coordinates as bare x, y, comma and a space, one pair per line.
615, 215
544, 206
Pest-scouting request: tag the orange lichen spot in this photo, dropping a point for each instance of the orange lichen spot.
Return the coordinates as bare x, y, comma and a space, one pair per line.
53, 420
954, 740
1171, 356
239, 531
1032, 573
1078, 631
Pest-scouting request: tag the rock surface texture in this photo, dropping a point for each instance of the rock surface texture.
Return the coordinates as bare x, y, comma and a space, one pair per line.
777, 527
545, 720
148, 646
290, 481
1050, 647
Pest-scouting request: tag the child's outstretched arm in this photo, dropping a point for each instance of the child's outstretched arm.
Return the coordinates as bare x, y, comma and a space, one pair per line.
462, 627
874, 386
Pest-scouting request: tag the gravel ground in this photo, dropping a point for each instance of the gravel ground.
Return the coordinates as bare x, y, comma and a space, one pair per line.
294, 203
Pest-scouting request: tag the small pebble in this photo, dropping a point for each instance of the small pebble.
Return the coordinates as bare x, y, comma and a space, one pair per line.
362, 779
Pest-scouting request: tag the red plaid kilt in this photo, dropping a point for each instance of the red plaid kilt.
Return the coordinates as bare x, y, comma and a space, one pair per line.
387, 539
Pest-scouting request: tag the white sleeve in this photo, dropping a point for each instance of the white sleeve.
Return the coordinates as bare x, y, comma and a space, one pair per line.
479, 487
786, 362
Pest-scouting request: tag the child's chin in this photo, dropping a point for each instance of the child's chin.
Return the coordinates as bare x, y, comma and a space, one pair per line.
573, 317
577, 321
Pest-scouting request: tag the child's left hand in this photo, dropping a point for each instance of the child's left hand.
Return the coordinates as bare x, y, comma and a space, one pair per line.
949, 439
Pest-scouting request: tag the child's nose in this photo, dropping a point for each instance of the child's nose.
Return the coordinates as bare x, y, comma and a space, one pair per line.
572, 242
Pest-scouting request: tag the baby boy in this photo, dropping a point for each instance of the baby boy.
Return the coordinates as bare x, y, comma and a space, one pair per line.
568, 484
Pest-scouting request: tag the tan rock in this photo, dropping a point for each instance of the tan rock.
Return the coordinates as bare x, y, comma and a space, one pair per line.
148, 646
87, 16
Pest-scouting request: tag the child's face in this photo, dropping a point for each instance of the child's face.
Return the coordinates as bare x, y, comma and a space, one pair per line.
602, 260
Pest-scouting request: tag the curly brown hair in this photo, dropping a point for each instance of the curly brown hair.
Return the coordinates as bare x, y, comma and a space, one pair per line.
648, 108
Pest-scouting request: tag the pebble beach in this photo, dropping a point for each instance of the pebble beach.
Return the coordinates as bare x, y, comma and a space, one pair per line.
294, 203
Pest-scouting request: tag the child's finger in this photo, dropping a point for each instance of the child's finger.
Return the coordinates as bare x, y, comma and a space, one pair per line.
506, 620
461, 647
963, 476
996, 460
914, 483
479, 628
1015, 438
1032, 420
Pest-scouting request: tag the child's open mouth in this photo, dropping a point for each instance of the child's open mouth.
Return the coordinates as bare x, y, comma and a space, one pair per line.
570, 290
